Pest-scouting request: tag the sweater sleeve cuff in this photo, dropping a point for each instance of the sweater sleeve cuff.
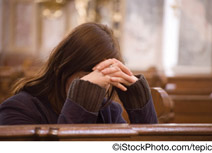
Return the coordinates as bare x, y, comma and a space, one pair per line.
86, 94
137, 95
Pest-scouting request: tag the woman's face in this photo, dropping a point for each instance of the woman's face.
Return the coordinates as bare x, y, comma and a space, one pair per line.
74, 76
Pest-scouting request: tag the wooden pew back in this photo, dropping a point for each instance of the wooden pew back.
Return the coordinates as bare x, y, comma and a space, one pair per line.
192, 98
189, 85
192, 109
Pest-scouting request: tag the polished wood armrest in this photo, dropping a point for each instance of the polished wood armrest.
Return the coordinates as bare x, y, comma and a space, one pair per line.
163, 104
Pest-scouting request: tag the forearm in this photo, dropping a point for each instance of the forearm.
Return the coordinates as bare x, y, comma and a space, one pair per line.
144, 115
137, 95
83, 102
138, 102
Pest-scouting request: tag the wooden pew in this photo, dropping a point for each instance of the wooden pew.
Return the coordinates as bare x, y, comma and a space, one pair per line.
108, 132
189, 85
8, 77
192, 109
191, 97
174, 132
154, 77
164, 105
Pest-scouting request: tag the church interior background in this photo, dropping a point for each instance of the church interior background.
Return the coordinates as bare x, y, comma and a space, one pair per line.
164, 39
172, 35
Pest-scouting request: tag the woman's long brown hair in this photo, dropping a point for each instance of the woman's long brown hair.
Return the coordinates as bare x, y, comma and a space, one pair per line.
86, 46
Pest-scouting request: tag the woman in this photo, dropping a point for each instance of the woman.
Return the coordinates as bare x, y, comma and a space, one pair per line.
73, 84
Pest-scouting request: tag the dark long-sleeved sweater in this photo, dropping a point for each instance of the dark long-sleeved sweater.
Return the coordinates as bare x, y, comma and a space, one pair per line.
81, 106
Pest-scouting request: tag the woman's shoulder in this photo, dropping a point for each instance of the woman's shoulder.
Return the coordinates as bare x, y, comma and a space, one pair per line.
22, 108
21, 98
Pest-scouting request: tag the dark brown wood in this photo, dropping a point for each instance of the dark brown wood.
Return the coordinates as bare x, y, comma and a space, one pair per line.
189, 85
8, 77
110, 132
192, 98
188, 91
192, 118
70, 132
164, 105
154, 77
192, 109
193, 104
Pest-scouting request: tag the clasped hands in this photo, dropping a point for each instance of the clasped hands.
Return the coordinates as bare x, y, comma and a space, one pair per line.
111, 72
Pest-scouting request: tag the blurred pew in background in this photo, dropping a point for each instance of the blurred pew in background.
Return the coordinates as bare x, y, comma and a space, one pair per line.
192, 98
189, 85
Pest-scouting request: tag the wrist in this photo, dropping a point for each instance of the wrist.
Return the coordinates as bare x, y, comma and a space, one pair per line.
99, 80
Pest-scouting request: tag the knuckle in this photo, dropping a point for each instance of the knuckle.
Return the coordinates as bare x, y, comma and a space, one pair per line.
104, 71
113, 68
111, 60
115, 60
107, 77
119, 62
107, 69
122, 73
117, 68
120, 65
115, 64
